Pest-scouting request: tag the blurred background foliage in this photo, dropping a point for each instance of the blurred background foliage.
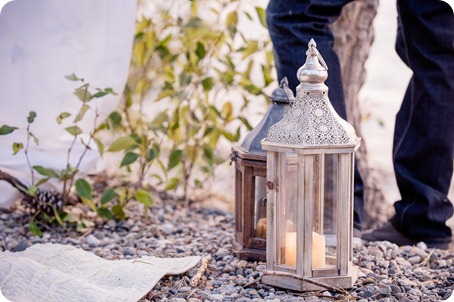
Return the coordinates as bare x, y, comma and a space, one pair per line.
193, 73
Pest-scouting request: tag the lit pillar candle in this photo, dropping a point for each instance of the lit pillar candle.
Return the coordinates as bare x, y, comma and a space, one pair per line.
261, 228
318, 249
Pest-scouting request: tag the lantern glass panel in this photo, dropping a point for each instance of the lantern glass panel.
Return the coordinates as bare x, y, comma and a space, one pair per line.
260, 207
329, 202
286, 207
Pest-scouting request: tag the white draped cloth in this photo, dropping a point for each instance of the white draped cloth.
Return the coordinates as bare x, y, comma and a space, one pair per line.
42, 41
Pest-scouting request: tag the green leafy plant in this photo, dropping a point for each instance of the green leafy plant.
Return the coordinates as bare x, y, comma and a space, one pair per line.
48, 205
178, 106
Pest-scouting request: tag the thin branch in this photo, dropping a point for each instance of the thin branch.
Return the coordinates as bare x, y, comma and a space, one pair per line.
16, 183
305, 279
203, 266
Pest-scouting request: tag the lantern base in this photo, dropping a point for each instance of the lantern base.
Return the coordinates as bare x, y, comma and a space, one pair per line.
248, 253
289, 282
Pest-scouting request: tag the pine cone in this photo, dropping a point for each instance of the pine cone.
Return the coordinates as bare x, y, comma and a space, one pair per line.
46, 202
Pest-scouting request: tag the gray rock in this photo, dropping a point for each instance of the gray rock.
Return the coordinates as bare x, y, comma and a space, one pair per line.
92, 241
395, 289
167, 228
414, 260
216, 297
442, 263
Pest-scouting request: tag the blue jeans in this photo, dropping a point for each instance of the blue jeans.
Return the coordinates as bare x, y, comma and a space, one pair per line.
424, 133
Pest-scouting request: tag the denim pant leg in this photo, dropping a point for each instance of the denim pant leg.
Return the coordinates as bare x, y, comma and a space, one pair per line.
424, 133
291, 24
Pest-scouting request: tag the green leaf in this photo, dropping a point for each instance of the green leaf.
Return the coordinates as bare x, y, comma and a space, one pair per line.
104, 92
41, 181
129, 158
245, 122
57, 215
262, 16
232, 22
32, 190
83, 189
172, 183
73, 77
121, 143
83, 94
251, 48
118, 211
114, 120
17, 147
46, 172
200, 50
100, 146
22, 188
35, 139
34, 229
207, 83
81, 113
74, 130
151, 154
5, 129
227, 110
31, 117
68, 172
144, 198
62, 116
160, 118
105, 212
107, 196
174, 158
185, 79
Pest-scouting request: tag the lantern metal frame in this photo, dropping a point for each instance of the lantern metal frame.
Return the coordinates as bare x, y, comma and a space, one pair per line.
303, 140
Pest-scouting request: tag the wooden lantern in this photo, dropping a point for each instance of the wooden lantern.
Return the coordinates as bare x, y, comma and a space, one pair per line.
310, 161
250, 190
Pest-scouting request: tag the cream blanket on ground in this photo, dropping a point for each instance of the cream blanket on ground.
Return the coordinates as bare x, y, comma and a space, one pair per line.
55, 272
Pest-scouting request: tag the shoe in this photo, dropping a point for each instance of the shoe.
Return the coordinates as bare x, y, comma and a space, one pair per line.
388, 233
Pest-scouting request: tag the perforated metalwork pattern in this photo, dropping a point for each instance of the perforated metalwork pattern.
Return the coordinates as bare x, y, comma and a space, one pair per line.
312, 121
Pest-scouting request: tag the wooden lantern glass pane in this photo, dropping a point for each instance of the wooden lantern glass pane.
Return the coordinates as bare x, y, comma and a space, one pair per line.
287, 209
329, 201
260, 207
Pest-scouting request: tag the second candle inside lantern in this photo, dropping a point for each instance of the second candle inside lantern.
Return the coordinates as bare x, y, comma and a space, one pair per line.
318, 250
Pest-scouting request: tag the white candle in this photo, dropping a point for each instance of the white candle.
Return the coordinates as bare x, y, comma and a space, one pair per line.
261, 228
318, 249
290, 248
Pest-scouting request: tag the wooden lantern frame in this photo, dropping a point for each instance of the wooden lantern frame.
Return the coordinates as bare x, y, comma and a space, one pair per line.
247, 167
250, 163
309, 207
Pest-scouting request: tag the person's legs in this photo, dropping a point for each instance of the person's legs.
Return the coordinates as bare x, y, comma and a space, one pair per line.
424, 133
291, 24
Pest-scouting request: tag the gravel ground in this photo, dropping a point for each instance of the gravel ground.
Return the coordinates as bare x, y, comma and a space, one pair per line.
388, 272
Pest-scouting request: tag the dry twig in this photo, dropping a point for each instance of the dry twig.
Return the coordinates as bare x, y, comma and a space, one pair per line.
294, 276
203, 266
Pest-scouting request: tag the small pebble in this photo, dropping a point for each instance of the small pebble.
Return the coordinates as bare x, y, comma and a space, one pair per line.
92, 241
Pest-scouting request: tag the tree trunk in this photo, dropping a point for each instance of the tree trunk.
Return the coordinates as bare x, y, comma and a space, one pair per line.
354, 35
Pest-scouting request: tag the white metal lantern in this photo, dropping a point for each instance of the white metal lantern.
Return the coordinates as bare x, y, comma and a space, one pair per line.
310, 161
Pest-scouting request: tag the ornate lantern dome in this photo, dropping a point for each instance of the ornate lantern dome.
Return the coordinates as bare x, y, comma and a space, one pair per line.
312, 120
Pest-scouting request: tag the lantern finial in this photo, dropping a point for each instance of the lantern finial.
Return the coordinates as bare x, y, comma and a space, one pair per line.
314, 72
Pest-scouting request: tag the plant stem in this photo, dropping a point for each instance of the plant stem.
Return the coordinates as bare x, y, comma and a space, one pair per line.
26, 154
